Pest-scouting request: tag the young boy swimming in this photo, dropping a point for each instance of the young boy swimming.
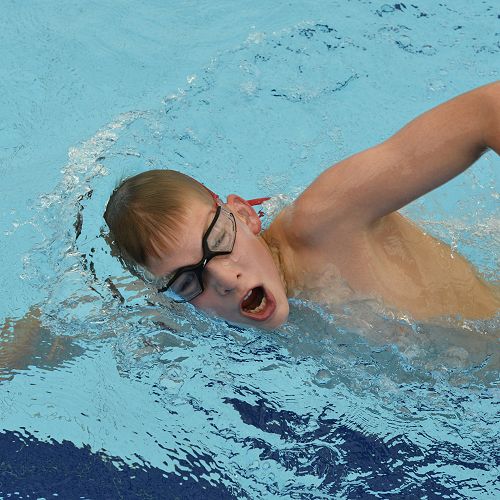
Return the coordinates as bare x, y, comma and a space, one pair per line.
342, 239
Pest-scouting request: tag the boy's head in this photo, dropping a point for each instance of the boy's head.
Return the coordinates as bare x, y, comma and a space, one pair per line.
146, 213
159, 220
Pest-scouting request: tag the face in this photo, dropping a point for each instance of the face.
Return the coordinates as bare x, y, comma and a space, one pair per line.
244, 286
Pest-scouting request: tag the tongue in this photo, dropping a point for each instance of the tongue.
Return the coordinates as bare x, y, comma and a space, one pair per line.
254, 299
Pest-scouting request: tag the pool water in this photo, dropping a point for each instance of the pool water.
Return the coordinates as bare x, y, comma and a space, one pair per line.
108, 391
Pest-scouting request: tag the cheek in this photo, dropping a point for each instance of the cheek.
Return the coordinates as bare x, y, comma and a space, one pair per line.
202, 301
248, 249
209, 303
262, 258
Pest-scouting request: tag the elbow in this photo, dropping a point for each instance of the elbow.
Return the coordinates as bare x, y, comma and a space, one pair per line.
490, 110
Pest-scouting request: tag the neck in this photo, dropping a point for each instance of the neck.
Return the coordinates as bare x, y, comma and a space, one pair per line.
273, 246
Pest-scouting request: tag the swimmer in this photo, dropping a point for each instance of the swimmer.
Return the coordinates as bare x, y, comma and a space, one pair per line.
341, 241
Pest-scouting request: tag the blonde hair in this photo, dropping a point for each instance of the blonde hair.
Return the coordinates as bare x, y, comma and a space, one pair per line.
146, 212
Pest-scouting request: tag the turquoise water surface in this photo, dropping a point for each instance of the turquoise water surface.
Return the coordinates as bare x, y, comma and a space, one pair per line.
109, 392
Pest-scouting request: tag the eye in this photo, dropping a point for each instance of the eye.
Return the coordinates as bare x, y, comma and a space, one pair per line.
183, 284
220, 240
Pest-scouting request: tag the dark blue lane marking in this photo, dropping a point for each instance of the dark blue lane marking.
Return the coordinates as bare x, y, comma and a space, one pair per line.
41, 469
380, 465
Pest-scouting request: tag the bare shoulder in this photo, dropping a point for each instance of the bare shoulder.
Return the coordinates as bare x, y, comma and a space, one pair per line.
290, 227
350, 196
313, 222
299, 234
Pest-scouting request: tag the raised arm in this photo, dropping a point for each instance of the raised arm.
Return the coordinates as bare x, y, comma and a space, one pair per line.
426, 153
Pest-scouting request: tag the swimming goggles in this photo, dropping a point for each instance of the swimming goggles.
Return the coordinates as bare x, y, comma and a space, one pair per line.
219, 238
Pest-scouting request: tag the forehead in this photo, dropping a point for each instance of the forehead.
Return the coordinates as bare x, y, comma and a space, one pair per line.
188, 247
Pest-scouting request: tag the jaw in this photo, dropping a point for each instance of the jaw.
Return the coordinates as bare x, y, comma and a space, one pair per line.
269, 318
274, 242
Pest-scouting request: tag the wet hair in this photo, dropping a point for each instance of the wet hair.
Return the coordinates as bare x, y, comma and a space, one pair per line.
146, 213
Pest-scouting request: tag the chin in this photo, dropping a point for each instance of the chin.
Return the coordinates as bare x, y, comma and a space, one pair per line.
278, 319
269, 318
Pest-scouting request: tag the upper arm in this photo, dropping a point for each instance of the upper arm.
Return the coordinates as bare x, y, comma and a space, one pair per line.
426, 153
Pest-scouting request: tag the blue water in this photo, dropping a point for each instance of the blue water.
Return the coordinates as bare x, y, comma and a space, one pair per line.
107, 393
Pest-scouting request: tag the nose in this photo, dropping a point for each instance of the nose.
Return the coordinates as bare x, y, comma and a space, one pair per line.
221, 275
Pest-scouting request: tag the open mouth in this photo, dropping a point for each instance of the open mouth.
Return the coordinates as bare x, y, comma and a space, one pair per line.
258, 304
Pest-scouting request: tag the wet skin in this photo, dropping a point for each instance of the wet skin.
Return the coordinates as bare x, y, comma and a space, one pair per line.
393, 262
229, 278
344, 232
343, 240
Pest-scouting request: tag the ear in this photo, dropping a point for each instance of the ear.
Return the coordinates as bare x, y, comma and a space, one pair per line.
245, 212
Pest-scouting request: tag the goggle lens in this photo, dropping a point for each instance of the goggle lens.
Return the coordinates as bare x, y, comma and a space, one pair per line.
186, 285
219, 240
222, 235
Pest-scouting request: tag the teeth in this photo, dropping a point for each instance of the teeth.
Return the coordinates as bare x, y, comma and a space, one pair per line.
260, 307
247, 295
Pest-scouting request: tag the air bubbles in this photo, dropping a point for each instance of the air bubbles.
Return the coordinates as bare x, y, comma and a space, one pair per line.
323, 377
48, 200
386, 8
172, 377
267, 473
174, 373
437, 86
386, 387
428, 50
131, 152
403, 41
254, 465
256, 37
248, 88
